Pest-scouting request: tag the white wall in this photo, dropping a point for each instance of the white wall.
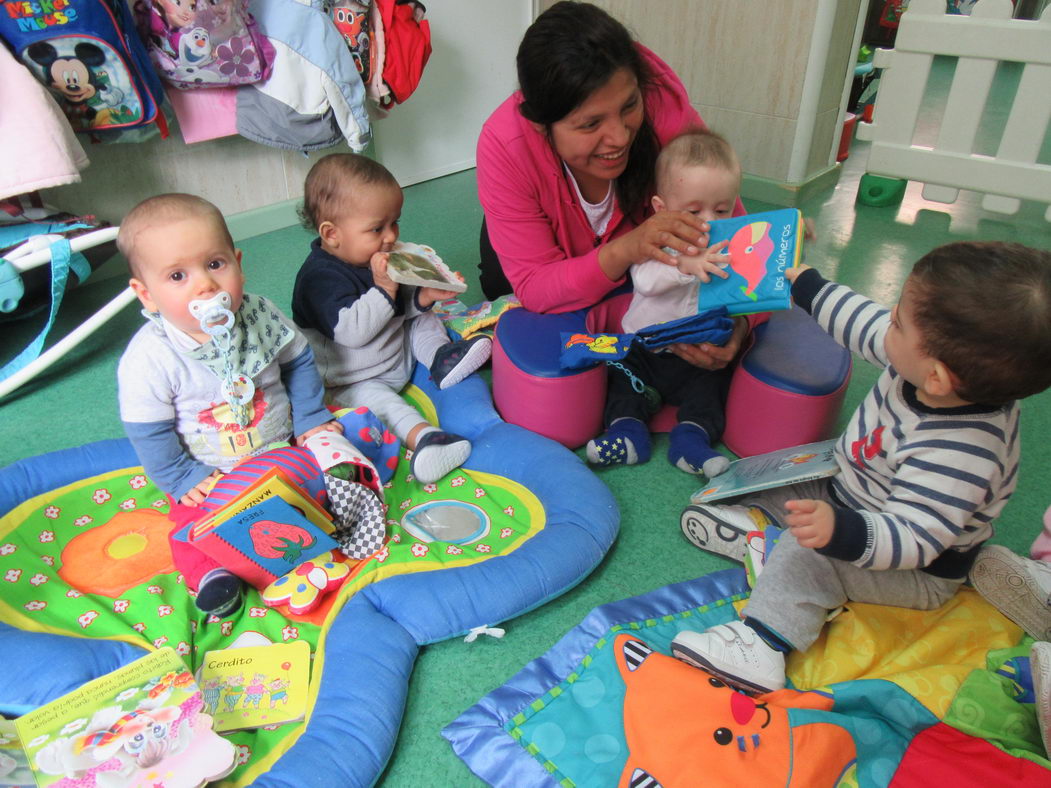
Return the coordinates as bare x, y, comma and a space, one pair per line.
768, 74
432, 134
471, 71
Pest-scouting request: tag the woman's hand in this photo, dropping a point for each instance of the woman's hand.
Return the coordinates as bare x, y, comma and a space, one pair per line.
714, 357
677, 230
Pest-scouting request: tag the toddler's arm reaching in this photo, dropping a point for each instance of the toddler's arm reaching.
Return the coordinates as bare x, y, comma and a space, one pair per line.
792, 273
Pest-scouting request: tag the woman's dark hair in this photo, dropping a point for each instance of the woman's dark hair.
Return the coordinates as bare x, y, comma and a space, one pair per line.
569, 52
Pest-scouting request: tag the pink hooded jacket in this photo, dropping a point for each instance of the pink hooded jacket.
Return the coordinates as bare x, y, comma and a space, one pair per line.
546, 246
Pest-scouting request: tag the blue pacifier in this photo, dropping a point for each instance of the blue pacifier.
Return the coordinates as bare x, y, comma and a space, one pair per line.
214, 313
217, 321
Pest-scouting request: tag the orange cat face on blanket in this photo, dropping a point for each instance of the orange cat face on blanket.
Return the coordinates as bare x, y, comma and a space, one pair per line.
683, 726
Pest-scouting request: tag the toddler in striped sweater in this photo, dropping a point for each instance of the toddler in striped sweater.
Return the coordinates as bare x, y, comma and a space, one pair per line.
927, 462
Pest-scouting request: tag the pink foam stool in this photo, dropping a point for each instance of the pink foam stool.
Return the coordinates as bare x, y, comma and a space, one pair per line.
787, 389
788, 386
531, 389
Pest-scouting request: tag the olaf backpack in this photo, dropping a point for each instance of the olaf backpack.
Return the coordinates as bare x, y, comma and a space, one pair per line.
204, 43
88, 54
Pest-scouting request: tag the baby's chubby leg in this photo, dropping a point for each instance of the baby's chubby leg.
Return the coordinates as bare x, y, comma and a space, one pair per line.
435, 452
449, 362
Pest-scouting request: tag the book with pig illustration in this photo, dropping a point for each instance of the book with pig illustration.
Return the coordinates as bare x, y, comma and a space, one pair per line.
143, 724
762, 247
264, 541
252, 686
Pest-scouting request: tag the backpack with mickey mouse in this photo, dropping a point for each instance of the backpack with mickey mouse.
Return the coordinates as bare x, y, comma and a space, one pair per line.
204, 43
86, 52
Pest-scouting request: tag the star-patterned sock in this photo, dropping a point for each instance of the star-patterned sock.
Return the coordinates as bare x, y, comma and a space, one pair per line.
690, 450
625, 442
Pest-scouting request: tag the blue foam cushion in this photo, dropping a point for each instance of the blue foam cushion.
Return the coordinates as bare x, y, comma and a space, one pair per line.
793, 353
361, 696
533, 341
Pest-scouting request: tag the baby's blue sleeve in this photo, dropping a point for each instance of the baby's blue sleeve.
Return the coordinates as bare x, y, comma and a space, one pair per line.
167, 463
306, 392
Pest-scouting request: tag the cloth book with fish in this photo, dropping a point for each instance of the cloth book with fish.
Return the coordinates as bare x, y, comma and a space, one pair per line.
264, 542
762, 247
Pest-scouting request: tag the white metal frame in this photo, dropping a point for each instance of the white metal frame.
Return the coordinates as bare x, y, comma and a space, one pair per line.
980, 41
81, 332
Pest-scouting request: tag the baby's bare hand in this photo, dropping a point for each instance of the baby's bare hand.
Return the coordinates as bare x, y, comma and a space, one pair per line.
328, 426
793, 273
380, 277
712, 261
812, 522
199, 493
432, 295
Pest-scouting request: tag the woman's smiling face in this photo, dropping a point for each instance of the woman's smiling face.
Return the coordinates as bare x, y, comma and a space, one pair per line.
594, 139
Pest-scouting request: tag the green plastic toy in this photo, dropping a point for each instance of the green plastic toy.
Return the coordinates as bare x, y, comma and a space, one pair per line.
880, 191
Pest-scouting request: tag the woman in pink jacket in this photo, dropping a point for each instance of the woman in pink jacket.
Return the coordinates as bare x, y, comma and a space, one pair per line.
565, 169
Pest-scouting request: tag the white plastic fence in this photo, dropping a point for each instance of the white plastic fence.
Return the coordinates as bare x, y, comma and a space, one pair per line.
980, 41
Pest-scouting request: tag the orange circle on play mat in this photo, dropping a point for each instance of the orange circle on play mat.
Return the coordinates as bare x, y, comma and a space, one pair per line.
128, 549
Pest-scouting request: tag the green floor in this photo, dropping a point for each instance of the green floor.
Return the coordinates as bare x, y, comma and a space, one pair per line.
870, 249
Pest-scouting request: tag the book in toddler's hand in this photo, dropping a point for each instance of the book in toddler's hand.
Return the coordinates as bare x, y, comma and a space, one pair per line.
264, 542
415, 264
762, 247
141, 725
252, 686
772, 469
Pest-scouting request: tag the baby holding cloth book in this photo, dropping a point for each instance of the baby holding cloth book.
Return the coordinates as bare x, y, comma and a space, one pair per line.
697, 172
367, 330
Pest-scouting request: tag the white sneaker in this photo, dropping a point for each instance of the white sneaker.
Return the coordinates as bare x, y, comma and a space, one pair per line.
734, 653
722, 529
1040, 667
1018, 587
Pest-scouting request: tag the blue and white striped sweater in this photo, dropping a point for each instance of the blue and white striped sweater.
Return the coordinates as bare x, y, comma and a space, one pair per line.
921, 486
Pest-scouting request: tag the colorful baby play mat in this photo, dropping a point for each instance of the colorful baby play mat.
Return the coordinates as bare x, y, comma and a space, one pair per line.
886, 697
88, 583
